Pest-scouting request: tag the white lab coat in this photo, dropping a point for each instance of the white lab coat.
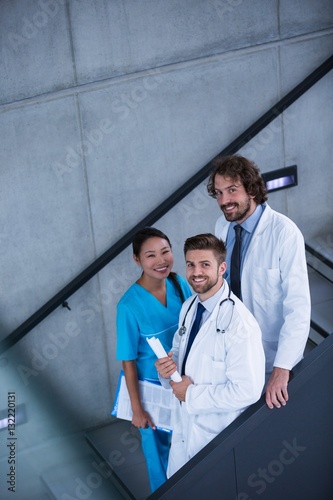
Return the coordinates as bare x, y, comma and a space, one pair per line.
275, 287
227, 370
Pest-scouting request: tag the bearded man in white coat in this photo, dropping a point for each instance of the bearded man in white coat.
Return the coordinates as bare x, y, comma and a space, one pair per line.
274, 283
224, 368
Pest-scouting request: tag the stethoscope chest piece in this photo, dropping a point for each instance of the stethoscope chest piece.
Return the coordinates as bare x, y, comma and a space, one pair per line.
182, 330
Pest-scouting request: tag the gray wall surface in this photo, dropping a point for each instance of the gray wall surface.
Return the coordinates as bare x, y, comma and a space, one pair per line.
106, 108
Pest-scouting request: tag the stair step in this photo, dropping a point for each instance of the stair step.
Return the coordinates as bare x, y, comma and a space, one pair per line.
119, 443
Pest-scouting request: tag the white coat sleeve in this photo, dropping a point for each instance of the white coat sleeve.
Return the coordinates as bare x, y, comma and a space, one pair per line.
238, 380
296, 302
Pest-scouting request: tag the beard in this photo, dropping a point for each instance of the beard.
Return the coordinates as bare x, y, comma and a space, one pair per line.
241, 210
205, 286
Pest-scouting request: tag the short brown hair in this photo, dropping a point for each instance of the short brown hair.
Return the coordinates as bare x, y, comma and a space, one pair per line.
206, 241
239, 168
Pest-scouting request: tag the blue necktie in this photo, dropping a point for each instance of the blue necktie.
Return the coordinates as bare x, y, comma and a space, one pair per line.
235, 281
194, 330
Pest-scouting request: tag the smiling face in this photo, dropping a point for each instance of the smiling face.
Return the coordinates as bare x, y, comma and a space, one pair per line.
234, 201
155, 258
204, 273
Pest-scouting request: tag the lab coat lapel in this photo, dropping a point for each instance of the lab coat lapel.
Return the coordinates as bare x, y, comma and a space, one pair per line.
208, 327
255, 241
188, 325
224, 232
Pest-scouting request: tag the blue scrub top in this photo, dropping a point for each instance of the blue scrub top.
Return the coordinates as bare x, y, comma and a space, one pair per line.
140, 315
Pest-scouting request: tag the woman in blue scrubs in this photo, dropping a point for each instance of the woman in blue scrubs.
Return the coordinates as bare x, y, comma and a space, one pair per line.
149, 308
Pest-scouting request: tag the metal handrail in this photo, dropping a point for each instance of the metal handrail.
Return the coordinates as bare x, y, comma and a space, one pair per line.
61, 297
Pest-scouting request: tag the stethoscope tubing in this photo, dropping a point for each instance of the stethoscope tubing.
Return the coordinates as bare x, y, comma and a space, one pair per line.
182, 330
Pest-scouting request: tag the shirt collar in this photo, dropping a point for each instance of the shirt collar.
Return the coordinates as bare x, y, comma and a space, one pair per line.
210, 303
250, 223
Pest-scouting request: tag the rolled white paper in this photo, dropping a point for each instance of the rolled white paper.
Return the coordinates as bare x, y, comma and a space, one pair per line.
159, 350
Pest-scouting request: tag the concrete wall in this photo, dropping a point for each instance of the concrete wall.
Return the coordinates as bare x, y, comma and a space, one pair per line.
107, 107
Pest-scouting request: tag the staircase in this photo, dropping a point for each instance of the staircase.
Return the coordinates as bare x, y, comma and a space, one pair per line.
319, 254
132, 471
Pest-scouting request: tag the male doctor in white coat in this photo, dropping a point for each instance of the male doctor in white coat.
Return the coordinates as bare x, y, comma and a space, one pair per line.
224, 369
274, 282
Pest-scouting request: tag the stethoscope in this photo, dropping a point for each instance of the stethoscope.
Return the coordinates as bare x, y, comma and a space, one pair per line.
182, 330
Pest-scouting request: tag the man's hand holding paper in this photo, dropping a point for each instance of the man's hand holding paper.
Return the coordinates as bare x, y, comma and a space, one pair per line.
166, 366
159, 350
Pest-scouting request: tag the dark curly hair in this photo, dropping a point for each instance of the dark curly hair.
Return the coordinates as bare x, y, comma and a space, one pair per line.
238, 168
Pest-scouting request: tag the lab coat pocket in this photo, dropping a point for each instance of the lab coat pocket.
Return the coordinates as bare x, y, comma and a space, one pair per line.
199, 368
200, 437
268, 280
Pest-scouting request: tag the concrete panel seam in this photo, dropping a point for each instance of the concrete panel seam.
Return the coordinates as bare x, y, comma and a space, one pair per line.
105, 83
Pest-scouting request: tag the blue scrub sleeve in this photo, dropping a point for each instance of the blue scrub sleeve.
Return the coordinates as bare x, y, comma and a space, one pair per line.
127, 334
